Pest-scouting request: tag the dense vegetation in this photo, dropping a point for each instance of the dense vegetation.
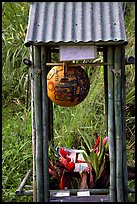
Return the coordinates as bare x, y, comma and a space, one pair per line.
86, 119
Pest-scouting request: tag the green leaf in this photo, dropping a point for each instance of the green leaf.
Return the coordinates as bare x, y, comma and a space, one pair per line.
101, 156
96, 165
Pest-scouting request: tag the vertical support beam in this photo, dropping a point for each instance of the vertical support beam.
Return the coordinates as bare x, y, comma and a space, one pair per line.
111, 128
51, 122
123, 78
105, 86
50, 104
38, 123
118, 123
45, 122
33, 125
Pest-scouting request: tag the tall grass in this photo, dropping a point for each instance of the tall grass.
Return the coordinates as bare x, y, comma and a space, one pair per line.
14, 25
16, 130
86, 118
16, 151
130, 90
130, 82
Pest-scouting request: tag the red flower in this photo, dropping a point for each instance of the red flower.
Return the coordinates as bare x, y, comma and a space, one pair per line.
61, 184
104, 141
63, 152
68, 159
63, 161
97, 142
95, 148
68, 165
53, 174
71, 166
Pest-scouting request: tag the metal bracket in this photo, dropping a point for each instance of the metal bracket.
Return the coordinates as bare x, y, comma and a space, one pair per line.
116, 73
27, 62
35, 72
129, 60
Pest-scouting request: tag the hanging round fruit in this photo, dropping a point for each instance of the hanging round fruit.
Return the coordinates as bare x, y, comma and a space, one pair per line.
67, 88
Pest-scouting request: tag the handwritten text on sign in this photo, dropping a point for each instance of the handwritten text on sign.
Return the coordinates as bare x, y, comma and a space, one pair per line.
68, 53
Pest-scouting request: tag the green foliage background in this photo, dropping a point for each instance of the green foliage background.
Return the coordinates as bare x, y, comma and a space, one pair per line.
85, 119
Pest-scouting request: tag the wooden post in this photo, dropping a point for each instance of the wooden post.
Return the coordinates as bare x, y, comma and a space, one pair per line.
111, 128
118, 122
38, 123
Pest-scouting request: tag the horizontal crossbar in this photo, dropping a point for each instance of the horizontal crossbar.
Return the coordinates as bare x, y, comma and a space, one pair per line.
77, 64
74, 191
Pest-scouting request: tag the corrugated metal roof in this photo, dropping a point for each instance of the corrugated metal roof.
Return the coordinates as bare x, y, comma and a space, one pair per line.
55, 23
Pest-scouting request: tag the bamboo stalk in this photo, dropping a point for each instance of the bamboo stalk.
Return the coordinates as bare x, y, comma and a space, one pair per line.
51, 135
18, 191
38, 124
26, 193
118, 123
33, 126
27, 92
26, 96
125, 171
111, 133
45, 121
105, 87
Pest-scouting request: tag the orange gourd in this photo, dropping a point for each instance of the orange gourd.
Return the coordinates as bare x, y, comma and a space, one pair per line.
67, 89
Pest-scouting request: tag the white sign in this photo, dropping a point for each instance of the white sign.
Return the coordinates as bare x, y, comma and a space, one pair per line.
68, 53
83, 193
63, 193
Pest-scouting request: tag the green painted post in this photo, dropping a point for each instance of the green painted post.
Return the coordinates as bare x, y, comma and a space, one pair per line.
38, 123
118, 123
111, 128
125, 172
45, 122
33, 125
123, 78
106, 85
50, 106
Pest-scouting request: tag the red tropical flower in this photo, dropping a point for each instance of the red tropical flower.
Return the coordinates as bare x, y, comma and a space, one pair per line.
63, 161
63, 152
71, 166
104, 141
61, 184
95, 148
